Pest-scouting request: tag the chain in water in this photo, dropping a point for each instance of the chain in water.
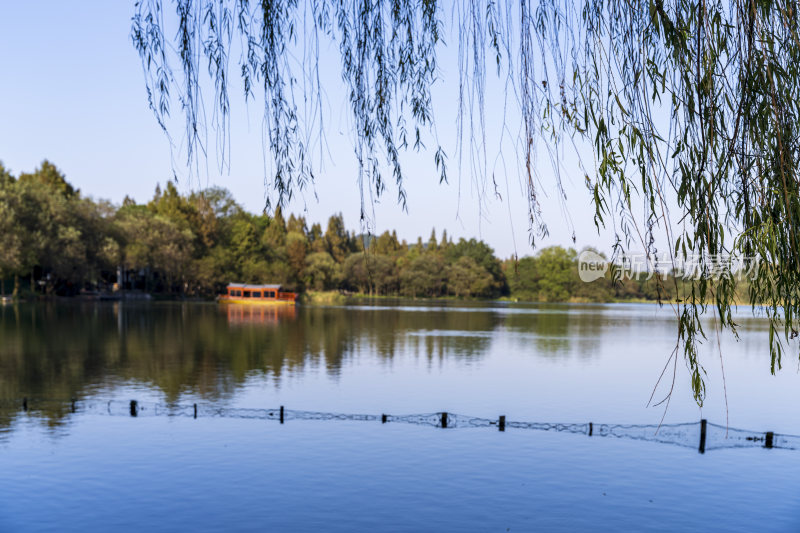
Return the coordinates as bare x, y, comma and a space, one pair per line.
710, 436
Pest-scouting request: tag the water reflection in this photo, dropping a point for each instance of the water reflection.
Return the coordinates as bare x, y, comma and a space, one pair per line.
58, 351
75, 350
557, 331
259, 314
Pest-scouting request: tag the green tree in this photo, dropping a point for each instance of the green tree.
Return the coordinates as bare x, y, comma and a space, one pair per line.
10, 232
337, 242
383, 273
51, 178
550, 276
483, 255
600, 290
274, 237
444, 243
432, 244
386, 244
369, 273
316, 239
37, 208
465, 277
158, 245
558, 274
296, 251
424, 275
170, 251
245, 243
321, 271
297, 225
5, 176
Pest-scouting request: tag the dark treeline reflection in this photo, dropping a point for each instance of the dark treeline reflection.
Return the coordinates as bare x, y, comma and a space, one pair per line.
206, 351
66, 351
556, 330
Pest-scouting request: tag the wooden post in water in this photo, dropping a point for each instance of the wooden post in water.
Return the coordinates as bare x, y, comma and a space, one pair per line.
444, 420
73, 405
769, 439
703, 424
25, 404
281, 414
591, 428
133, 408
195, 411
384, 419
501, 424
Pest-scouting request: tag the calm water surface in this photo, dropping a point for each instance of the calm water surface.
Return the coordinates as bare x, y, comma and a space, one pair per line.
87, 471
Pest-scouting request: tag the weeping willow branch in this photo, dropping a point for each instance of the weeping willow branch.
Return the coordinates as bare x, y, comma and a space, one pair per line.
688, 111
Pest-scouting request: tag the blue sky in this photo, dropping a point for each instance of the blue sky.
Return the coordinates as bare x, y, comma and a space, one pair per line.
72, 91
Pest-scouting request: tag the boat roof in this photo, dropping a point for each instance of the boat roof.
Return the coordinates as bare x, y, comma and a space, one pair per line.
249, 286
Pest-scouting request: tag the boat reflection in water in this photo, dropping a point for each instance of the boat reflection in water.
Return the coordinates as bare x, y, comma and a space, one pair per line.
242, 314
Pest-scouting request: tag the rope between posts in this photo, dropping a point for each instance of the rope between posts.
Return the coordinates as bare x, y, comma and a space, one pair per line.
702, 435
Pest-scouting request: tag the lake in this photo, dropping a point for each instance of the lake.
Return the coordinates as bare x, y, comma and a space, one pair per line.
236, 467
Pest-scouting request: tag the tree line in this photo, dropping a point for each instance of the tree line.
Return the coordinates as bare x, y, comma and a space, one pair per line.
56, 241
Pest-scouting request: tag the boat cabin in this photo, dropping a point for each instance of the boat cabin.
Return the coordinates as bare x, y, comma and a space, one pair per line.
243, 292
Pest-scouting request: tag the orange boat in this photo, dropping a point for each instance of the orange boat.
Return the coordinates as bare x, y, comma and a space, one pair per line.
242, 293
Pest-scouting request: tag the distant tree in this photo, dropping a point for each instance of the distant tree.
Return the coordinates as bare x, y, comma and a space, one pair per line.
465, 277
221, 202
296, 251
296, 224
48, 175
444, 243
483, 255
550, 276
206, 225
423, 276
356, 273
280, 222
171, 251
321, 271
383, 273
522, 278
370, 273
244, 240
557, 270
386, 244
274, 237
599, 290
132, 223
316, 239
10, 232
6, 178
37, 207
432, 244
158, 245
337, 241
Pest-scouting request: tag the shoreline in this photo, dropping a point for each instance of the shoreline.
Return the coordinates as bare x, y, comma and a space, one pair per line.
312, 298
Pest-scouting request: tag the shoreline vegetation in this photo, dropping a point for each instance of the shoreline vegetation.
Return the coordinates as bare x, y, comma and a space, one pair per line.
344, 298
57, 243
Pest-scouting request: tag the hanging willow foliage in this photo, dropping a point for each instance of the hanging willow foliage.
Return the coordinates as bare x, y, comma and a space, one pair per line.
690, 109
